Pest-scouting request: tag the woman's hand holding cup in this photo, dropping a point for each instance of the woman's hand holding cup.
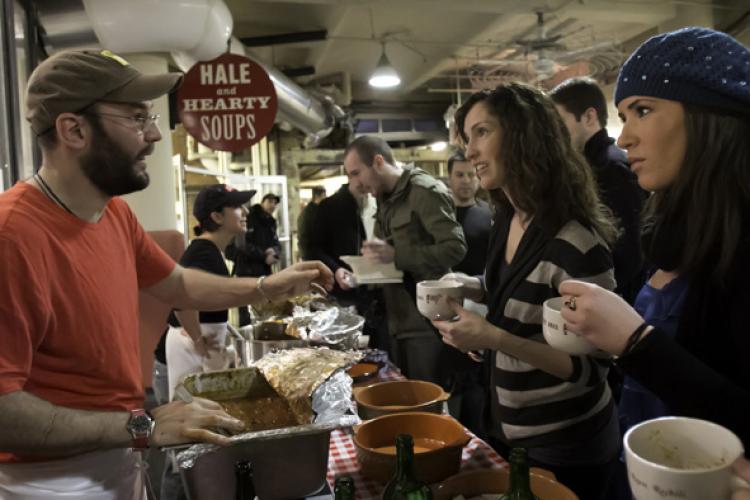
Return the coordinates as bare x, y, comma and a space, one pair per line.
741, 467
601, 317
472, 286
467, 331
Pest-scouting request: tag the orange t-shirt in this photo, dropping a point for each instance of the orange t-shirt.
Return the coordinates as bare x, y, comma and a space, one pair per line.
69, 302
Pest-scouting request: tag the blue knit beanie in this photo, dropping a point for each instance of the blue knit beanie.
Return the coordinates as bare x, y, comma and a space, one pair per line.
691, 65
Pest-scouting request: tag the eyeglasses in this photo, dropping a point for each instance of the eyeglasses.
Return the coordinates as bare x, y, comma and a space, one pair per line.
142, 123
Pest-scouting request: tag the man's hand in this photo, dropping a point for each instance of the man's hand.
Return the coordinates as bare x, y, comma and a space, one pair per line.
297, 279
179, 422
378, 251
345, 278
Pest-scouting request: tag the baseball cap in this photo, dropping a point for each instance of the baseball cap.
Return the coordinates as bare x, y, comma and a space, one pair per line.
271, 196
70, 81
215, 197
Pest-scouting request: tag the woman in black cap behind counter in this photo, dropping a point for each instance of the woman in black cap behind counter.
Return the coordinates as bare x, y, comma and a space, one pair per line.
195, 339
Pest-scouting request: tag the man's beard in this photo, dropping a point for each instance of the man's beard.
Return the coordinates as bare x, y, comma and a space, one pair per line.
110, 168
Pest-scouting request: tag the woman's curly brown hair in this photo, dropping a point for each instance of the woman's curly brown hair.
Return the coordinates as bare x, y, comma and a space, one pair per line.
544, 176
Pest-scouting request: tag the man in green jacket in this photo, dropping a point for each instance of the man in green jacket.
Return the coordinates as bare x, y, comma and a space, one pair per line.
416, 229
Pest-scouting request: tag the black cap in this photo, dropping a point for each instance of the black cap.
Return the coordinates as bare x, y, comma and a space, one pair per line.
271, 196
215, 197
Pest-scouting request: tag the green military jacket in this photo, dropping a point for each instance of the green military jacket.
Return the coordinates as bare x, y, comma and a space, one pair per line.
418, 219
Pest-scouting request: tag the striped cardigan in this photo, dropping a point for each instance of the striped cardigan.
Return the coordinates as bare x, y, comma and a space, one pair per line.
531, 407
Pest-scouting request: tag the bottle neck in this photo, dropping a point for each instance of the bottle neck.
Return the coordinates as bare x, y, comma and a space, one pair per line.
344, 494
405, 460
519, 478
344, 490
244, 489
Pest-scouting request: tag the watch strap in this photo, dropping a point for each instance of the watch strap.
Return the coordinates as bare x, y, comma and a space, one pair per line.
140, 432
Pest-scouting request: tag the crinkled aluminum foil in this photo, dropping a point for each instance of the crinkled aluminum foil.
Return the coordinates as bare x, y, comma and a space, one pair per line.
295, 373
314, 318
280, 310
333, 398
334, 326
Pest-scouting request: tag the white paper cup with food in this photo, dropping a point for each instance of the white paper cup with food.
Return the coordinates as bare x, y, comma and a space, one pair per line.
557, 335
680, 457
433, 298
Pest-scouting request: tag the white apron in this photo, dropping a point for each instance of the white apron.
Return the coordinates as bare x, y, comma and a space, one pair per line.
182, 359
115, 474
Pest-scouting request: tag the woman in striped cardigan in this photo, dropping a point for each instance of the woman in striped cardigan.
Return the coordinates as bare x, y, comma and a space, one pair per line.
550, 226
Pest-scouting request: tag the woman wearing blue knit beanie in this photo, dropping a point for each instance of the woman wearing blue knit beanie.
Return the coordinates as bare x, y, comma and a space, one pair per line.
684, 99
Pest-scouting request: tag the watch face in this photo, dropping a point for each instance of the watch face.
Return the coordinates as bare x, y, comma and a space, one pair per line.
140, 424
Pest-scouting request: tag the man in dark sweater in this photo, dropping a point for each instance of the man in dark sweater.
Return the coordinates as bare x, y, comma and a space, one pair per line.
473, 214
468, 392
261, 246
583, 108
306, 222
338, 230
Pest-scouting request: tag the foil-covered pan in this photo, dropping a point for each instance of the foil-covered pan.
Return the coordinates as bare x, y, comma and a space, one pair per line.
301, 450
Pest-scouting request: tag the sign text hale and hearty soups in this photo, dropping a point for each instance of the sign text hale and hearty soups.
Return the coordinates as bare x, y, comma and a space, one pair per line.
228, 103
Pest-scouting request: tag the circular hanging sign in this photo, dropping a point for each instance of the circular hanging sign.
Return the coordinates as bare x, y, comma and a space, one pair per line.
228, 103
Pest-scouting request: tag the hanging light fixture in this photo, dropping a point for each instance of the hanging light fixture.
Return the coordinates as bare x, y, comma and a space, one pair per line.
385, 75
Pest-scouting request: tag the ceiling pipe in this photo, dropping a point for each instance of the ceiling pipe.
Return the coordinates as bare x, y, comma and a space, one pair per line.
283, 38
200, 28
191, 30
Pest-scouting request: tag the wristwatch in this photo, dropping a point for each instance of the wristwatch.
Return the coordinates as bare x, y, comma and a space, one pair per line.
140, 425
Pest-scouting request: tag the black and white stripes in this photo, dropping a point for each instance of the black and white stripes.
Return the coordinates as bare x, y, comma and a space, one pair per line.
532, 407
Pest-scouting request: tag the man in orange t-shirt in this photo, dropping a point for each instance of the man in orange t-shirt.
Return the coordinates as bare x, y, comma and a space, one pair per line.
72, 259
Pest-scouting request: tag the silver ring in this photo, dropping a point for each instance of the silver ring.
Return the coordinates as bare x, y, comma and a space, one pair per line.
570, 303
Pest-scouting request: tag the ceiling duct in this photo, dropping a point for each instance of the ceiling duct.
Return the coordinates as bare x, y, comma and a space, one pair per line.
192, 30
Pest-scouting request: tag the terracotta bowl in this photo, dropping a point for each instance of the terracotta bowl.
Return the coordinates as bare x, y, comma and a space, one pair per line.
362, 372
495, 481
399, 396
438, 441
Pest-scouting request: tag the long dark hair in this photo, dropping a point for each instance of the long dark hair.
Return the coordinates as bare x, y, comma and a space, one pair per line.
544, 175
696, 225
206, 226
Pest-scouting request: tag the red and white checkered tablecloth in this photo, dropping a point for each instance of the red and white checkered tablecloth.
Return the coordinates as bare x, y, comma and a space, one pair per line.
342, 460
342, 456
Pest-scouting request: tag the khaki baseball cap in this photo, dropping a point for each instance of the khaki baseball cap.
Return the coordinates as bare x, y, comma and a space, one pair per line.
70, 81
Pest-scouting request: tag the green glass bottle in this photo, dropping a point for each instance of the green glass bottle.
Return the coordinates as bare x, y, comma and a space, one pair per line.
244, 488
404, 485
520, 480
344, 488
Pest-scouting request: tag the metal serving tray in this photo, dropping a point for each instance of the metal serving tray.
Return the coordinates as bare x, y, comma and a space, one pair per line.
277, 455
